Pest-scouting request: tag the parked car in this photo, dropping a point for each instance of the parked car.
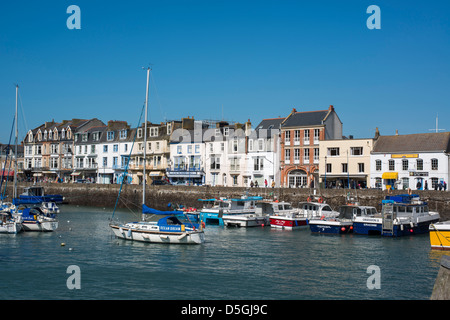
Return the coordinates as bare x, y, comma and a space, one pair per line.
179, 183
159, 182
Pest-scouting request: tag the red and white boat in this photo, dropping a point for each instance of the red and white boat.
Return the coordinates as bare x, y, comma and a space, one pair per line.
297, 218
284, 216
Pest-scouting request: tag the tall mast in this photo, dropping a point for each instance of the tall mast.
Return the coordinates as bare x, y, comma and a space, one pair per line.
15, 151
145, 138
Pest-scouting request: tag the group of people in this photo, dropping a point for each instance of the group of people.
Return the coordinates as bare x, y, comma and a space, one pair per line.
441, 185
256, 184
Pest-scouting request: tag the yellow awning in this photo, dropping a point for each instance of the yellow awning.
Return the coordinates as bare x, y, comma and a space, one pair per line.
390, 175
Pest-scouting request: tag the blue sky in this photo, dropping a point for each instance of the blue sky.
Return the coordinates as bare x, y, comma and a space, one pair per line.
235, 60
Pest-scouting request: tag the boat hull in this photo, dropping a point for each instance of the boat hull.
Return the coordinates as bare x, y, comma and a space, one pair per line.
45, 226
10, 228
134, 234
211, 218
440, 236
331, 227
288, 223
398, 230
245, 221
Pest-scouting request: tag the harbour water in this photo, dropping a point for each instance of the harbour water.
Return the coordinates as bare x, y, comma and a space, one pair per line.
234, 264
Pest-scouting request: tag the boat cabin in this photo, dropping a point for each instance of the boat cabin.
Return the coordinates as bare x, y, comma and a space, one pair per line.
350, 212
35, 191
408, 205
273, 208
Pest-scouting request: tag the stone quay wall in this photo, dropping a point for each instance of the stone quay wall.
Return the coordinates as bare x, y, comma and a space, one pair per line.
158, 197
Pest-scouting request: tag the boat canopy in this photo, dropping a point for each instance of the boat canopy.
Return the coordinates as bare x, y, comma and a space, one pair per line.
403, 198
247, 199
148, 210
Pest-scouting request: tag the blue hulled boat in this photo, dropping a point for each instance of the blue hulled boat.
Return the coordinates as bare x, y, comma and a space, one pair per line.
344, 222
401, 215
36, 195
214, 209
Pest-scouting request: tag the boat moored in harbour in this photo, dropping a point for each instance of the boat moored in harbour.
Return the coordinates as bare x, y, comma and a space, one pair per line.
261, 217
344, 222
401, 215
36, 195
9, 224
33, 219
214, 210
440, 235
157, 226
160, 227
284, 216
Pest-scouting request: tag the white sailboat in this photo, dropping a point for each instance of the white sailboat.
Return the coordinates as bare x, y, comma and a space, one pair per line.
31, 219
10, 223
158, 226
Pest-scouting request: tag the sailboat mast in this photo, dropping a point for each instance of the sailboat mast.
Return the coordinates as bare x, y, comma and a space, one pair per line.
144, 180
15, 151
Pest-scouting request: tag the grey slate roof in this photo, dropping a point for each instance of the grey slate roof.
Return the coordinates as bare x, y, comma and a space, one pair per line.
421, 142
273, 123
310, 118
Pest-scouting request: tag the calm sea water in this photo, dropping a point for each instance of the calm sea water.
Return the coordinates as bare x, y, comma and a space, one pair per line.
236, 264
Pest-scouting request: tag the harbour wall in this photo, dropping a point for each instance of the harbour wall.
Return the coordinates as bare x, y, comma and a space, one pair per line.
158, 197
442, 284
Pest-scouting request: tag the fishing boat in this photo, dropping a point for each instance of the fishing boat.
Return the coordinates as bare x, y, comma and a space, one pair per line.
312, 208
440, 235
214, 210
284, 216
343, 223
400, 215
33, 219
261, 217
157, 226
36, 195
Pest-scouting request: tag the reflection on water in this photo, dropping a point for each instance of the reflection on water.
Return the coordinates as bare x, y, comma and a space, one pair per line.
234, 263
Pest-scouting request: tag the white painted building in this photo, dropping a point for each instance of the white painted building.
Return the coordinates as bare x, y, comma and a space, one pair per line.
113, 152
187, 156
414, 161
264, 152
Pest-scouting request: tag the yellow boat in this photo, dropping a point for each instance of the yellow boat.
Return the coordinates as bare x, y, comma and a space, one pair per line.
440, 235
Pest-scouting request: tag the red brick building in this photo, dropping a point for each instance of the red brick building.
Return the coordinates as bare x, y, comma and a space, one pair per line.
300, 136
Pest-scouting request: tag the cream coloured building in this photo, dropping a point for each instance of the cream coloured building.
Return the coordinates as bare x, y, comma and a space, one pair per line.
345, 162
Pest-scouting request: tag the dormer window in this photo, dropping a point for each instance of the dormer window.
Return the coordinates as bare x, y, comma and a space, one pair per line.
154, 132
110, 135
139, 133
55, 134
50, 135
123, 134
63, 134
45, 135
